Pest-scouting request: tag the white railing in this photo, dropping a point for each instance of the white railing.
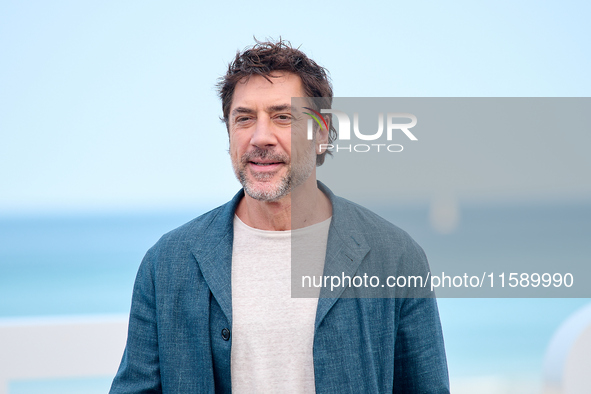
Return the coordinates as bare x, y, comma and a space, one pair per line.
92, 346
60, 347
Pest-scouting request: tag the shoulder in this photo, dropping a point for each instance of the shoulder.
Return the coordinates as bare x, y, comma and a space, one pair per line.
358, 219
388, 251
202, 232
192, 230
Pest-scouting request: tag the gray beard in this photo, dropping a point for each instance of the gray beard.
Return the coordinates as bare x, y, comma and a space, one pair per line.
270, 195
295, 176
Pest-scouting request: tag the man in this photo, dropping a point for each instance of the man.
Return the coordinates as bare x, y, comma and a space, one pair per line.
212, 310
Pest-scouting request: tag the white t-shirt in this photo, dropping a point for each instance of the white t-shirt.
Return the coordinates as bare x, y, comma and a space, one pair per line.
272, 333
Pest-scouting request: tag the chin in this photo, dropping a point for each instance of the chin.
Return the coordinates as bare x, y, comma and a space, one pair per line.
267, 192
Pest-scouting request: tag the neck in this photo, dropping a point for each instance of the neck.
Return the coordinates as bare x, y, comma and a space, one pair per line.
304, 206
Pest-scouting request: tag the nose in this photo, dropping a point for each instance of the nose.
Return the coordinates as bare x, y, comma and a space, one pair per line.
263, 135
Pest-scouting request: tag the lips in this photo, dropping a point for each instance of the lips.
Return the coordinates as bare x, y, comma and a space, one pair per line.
264, 163
264, 166
264, 159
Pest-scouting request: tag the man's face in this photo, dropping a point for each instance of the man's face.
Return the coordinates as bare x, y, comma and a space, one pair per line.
260, 128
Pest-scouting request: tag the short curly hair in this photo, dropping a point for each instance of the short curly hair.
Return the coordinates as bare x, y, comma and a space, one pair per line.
264, 58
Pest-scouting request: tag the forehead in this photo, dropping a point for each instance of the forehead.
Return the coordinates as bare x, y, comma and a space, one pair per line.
258, 92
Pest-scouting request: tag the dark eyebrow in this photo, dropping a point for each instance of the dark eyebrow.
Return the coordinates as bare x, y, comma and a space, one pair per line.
271, 109
280, 108
242, 110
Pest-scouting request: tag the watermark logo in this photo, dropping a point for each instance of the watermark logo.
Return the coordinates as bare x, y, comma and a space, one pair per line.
392, 120
317, 117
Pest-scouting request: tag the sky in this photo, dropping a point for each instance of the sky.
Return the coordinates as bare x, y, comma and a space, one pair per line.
112, 105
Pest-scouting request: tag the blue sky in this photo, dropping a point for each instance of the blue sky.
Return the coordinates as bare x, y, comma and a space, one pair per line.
112, 105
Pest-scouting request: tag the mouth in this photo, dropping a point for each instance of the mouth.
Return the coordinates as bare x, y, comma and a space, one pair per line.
265, 166
265, 163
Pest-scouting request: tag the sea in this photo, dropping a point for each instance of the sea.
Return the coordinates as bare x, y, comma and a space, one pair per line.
84, 264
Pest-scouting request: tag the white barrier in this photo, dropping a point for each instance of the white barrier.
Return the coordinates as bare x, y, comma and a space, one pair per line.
60, 347
567, 364
74, 347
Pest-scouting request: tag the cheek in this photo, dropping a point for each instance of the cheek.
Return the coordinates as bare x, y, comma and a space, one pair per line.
234, 143
286, 145
234, 155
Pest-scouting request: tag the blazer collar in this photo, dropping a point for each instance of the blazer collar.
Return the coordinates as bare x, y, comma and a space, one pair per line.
213, 252
345, 250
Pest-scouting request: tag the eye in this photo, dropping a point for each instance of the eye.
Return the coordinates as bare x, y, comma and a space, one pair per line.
243, 120
283, 119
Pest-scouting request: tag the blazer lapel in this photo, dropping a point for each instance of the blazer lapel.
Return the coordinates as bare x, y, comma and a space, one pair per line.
213, 252
345, 250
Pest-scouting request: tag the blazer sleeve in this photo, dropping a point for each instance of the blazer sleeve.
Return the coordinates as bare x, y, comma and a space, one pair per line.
420, 364
139, 371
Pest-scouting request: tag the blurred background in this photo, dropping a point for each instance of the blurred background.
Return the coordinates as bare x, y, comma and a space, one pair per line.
110, 136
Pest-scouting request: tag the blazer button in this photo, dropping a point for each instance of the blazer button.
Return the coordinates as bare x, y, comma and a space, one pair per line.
225, 334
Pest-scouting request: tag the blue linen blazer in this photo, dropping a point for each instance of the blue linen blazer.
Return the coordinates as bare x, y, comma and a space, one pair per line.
180, 324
